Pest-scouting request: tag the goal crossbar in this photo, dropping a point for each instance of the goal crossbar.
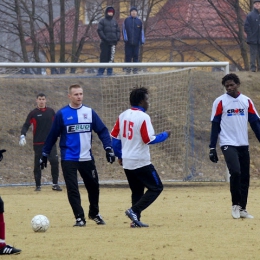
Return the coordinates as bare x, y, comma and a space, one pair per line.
224, 64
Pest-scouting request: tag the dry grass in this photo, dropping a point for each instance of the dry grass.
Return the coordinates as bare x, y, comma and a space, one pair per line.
109, 97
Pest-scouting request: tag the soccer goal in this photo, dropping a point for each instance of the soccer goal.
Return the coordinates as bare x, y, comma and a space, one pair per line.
181, 97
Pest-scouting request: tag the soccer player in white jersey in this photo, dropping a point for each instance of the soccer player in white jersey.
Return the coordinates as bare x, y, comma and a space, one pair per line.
74, 124
131, 137
230, 114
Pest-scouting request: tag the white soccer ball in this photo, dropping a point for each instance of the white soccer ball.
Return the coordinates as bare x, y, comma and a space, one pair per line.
40, 223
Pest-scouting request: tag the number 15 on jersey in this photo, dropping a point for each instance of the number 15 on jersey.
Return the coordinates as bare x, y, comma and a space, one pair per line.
128, 129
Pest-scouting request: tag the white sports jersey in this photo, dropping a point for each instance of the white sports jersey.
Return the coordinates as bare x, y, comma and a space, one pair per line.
134, 129
233, 115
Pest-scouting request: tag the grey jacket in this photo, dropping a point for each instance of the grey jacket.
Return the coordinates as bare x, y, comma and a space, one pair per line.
251, 27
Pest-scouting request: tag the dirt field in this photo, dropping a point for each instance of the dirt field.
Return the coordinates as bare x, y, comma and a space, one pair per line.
188, 221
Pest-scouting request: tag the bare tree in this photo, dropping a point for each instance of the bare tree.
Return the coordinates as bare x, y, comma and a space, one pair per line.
235, 27
62, 31
194, 30
165, 24
20, 29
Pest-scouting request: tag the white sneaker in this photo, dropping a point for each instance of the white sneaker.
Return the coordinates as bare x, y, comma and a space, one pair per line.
236, 211
245, 214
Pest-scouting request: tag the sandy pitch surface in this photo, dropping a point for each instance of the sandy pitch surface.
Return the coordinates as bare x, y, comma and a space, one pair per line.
187, 221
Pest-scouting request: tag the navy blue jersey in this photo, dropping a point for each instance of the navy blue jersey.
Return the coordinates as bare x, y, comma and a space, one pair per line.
74, 127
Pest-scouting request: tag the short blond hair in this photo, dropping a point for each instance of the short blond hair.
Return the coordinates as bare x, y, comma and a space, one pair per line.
73, 86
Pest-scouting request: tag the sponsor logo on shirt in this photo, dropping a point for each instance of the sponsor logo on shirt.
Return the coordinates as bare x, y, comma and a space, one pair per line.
85, 116
79, 128
236, 112
39, 115
70, 118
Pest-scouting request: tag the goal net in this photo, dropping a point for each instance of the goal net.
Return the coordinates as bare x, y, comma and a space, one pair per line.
180, 101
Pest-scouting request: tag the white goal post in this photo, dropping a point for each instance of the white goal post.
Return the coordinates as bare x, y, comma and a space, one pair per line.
224, 64
181, 96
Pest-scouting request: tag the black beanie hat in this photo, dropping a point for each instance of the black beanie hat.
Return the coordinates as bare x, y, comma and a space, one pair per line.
110, 9
256, 1
134, 8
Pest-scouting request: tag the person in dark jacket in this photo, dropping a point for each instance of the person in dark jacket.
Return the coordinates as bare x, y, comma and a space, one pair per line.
251, 28
109, 33
133, 35
41, 119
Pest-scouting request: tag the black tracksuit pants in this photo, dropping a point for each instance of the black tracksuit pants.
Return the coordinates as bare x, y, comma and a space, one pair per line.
88, 172
105, 56
238, 162
139, 179
131, 54
54, 162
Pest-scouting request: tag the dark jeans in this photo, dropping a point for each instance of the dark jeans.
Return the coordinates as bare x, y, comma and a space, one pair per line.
238, 162
54, 162
89, 175
138, 179
131, 55
254, 56
105, 56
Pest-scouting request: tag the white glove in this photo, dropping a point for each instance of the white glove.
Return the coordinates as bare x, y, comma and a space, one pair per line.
22, 141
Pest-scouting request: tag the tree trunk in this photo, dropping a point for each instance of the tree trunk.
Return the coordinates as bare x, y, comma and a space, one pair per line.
75, 34
21, 32
62, 34
241, 35
51, 35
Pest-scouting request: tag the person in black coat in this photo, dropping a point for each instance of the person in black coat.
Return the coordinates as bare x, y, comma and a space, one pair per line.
109, 33
133, 35
251, 28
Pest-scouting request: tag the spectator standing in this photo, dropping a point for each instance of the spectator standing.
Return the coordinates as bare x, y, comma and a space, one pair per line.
133, 35
251, 27
41, 119
109, 33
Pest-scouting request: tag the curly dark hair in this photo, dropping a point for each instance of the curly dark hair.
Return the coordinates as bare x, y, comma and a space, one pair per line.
137, 95
231, 76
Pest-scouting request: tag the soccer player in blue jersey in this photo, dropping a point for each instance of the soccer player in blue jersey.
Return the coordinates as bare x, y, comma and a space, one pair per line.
74, 124
230, 114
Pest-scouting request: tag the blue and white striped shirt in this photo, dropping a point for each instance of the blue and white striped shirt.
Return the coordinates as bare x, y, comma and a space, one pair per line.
74, 127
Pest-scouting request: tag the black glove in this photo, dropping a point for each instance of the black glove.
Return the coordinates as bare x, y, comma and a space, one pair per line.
213, 155
43, 162
1, 154
110, 155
